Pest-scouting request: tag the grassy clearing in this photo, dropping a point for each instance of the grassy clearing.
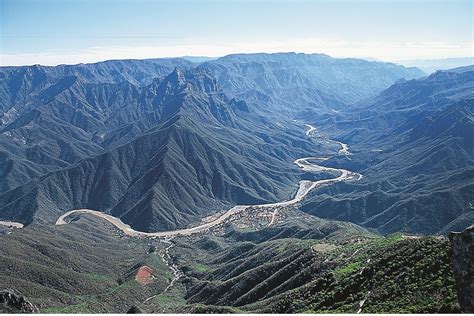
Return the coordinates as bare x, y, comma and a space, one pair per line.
387, 241
171, 301
127, 285
324, 247
99, 277
81, 308
347, 269
199, 267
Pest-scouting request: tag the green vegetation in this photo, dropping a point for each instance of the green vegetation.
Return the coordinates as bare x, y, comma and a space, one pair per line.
387, 241
199, 267
171, 301
211, 309
123, 286
258, 270
347, 269
98, 277
285, 275
83, 267
163, 146
81, 308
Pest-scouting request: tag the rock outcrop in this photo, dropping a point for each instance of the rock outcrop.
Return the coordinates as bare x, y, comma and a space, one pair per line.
135, 310
462, 245
16, 302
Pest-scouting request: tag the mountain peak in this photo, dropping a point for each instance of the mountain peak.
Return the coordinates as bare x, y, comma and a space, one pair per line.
198, 80
176, 76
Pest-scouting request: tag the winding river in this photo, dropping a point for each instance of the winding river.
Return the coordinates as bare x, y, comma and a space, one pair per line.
11, 224
308, 164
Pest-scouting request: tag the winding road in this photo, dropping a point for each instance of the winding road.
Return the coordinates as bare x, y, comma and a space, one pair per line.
307, 164
311, 130
166, 258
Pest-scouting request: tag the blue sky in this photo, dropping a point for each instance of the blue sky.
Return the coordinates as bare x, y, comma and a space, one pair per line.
67, 31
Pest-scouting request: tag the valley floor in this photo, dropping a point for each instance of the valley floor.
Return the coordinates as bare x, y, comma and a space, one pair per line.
305, 186
269, 258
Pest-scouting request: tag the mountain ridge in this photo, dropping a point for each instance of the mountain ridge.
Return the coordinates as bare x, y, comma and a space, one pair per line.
414, 146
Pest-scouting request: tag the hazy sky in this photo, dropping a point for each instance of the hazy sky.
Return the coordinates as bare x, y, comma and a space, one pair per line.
72, 31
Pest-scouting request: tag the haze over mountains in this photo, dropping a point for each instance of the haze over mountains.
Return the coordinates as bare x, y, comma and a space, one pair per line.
431, 65
164, 144
292, 83
414, 145
164, 141
221, 157
118, 136
161, 143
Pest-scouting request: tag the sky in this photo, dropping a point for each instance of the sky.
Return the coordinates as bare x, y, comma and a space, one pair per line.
52, 32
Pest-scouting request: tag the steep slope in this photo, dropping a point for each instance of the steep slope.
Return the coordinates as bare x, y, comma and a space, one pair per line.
403, 100
205, 154
462, 256
306, 265
51, 117
86, 267
281, 274
414, 145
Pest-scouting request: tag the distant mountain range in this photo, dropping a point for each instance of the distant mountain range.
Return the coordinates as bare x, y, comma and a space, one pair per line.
431, 65
290, 83
161, 143
164, 144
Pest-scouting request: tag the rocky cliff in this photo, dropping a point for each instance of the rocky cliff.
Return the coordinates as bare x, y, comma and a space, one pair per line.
13, 302
462, 245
